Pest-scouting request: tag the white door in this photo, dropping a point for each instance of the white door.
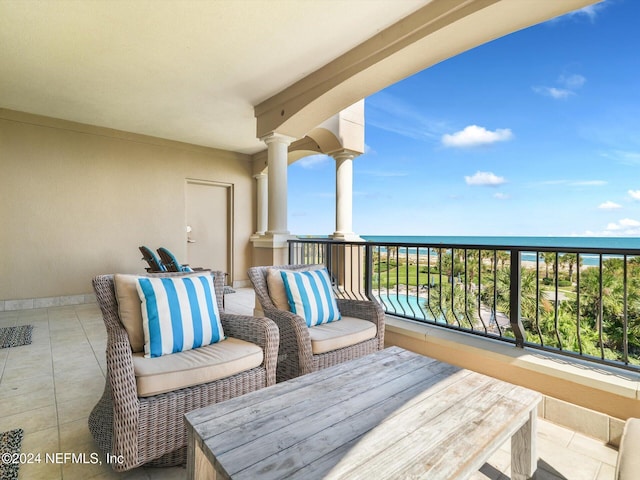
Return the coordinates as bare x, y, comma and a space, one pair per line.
209, 225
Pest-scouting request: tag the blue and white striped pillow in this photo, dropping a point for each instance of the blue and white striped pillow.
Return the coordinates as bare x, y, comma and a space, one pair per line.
311, 296
178, 313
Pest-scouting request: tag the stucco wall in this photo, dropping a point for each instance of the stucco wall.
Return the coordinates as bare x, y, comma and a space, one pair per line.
77, 200
602, 389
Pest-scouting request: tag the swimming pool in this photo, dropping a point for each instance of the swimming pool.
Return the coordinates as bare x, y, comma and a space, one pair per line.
406, 305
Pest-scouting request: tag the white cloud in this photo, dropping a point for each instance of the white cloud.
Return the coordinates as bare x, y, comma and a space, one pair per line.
587, 183
568, 85
635, 194
323, 194
573, 81
313, 161
626, 227
484, 179
501, 196
383, 173
609, 205
623, 157
551, 182
623, 228
473, 136
629, 222
557, 93
590, 12
390, 113
572, 183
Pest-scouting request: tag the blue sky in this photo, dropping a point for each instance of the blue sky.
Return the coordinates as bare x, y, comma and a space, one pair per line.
536, 133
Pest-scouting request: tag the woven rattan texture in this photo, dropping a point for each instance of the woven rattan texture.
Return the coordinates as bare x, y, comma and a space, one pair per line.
151, 430
295, 357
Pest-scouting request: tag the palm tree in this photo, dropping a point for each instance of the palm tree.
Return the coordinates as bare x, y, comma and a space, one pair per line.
549, 258
503, 257
572, 259
593, 304
606, 312
392, 253
450, 301
472, 266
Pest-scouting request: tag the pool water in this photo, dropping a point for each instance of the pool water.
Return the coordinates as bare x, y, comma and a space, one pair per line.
407, 305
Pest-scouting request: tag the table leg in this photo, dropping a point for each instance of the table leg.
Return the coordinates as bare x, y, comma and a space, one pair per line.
191, 454
524, 459
198, 465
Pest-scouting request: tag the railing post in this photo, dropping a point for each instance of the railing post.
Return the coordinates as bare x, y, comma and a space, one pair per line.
368, 271
291, 247
515, 290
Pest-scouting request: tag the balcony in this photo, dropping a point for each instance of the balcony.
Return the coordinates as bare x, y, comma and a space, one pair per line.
560, 320
49, 387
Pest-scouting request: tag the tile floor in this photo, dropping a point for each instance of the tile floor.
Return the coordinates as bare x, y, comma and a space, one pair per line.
49, 387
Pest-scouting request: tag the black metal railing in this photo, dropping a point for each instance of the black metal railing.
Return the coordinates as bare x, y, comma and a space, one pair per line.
582, 302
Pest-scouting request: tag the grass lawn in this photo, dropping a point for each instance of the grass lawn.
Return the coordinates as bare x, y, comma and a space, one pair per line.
411, 275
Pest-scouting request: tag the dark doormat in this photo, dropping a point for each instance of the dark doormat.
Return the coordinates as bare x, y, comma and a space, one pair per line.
15, 336
10, 453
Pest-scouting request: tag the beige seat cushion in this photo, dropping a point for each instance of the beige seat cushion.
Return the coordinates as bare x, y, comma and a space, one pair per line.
194, 367
628, 467
339, 334
276, 288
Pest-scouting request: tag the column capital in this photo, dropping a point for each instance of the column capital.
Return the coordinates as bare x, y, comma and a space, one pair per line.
275, 137
260, 175
344, 154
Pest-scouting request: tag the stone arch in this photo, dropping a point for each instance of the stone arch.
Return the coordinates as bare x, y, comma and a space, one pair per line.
342, 131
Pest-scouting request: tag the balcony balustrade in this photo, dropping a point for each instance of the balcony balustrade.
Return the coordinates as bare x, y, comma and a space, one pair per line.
580, 302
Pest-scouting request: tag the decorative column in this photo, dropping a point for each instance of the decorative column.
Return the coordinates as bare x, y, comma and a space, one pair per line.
344, 195
271, 248
277, 153
263, 203
351, 257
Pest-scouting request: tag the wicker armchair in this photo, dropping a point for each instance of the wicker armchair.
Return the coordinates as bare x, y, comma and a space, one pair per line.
150, 430
295, 355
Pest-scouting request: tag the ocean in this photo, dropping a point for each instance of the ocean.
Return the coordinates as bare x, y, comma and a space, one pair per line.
605, 244
602, 243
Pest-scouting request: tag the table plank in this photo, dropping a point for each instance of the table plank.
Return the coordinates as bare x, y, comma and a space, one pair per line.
257, 420
418, 437
305, 443
469, 443
208, 422
333, 378
392, 414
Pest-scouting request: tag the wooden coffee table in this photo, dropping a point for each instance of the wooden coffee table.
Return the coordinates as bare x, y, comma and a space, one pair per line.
392, 414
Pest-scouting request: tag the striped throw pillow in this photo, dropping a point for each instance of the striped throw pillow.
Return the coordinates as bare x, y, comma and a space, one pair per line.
311, 296
178, 314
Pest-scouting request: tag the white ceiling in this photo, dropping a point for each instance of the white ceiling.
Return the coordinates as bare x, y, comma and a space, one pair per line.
184, 70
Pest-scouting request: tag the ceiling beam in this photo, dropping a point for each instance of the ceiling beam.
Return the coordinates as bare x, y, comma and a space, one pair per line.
439, 30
